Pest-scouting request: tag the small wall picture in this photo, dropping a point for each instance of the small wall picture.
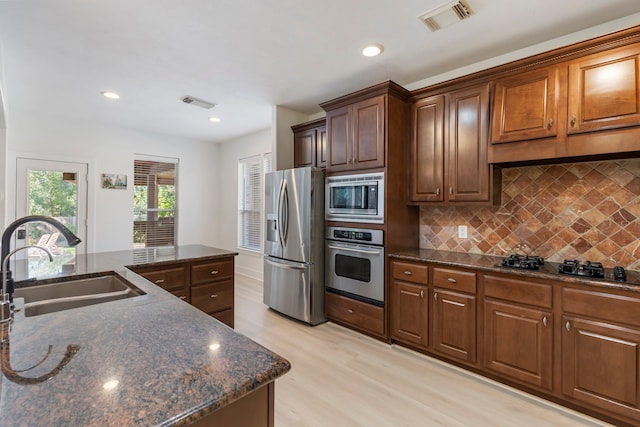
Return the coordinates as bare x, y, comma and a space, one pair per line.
114, 181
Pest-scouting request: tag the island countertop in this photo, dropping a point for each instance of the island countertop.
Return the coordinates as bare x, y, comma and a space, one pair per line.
173, 364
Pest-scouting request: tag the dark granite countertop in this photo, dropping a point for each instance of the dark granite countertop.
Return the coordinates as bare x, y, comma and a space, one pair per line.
492, 264
173, 363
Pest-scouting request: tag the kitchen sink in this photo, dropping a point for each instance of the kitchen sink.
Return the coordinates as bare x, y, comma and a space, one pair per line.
49, 298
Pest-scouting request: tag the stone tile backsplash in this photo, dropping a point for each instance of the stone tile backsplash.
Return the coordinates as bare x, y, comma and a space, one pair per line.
584, 211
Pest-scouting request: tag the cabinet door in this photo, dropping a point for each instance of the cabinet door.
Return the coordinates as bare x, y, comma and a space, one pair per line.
409, 313
604, 90
304, 148
518, 343
468, 173
601, 365
427, 150
368, 133
321, 147
526, 106
454, 324
339, 131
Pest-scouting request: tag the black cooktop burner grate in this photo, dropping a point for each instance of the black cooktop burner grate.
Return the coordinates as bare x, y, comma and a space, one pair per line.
525, 262
587, 269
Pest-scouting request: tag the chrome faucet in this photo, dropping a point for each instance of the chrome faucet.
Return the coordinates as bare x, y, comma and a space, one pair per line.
7, 278
5, 304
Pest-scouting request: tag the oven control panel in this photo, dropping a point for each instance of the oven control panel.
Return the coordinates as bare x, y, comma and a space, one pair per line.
346, 234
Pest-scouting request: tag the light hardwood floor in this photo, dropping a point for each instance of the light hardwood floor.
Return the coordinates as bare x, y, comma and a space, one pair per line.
342, 378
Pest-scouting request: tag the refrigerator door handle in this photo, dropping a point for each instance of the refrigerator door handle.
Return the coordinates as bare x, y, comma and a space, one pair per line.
294, 266
280, 223
284, 210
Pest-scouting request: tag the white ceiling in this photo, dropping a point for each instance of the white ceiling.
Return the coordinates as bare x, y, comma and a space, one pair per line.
248, 56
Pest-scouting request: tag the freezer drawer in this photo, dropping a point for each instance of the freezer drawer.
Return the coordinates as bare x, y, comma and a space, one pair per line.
288, 289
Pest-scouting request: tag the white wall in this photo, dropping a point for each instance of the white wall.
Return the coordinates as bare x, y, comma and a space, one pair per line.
109, 149
3, 143
247, 263
283, 118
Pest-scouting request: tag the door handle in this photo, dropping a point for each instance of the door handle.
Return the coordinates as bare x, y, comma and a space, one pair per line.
360, 251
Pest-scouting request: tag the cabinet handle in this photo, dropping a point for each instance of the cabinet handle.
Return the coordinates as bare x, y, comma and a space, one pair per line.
450, 190
545, 321
157, 282
182, 297
573, 121
214, 295
408, 273
452, 280
350, 311
435, 296
421, 294
214, 272
567, 326
438, 191
550, 124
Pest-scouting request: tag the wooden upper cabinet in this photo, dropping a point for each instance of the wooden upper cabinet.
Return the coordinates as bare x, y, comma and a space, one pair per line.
309, 144
604, 90
468, 176
427, 150
526, 106
356, 135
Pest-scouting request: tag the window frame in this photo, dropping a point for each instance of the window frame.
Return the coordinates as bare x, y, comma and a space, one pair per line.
251, 202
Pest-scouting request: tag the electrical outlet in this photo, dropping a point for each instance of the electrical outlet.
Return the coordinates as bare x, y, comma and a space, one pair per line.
462, 231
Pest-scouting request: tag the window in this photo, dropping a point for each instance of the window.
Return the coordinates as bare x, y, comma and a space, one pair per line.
154, 203
250, 200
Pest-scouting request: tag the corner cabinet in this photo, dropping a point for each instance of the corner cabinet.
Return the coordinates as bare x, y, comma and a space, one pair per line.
448, 157
357, 126
310, 144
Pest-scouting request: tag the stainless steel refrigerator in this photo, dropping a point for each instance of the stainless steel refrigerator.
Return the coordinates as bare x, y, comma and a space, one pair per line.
294, 243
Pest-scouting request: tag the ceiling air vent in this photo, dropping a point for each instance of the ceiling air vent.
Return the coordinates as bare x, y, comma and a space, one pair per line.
445, 15
198, 102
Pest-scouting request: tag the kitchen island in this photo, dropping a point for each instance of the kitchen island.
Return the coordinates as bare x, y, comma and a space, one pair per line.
147, 360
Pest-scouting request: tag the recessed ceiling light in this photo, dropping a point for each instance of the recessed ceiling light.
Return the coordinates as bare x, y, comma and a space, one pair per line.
214, 119
373, 50
110, 95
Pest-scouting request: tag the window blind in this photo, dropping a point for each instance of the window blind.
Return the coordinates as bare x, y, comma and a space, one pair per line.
154, 211
251, 172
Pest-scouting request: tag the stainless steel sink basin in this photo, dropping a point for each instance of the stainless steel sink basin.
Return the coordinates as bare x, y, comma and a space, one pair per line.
69, 294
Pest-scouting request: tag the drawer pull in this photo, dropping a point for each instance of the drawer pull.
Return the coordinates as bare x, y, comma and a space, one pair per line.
567, 326
214, 272
182, 297
157, 282
545, 321
451, 280
408, 273
435, 296
214, 296
350, 311
421, 294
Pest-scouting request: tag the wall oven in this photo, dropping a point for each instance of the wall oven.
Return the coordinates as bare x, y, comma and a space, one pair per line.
355, 198
355, 263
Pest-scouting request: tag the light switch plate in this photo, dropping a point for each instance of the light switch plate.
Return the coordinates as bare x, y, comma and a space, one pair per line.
462, 231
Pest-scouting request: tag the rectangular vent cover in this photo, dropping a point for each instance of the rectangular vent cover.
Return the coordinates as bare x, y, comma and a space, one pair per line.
445, 15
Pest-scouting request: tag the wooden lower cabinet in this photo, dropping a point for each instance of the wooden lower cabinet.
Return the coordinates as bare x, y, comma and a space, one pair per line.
453, 324
356, 314
409, 322
207, 285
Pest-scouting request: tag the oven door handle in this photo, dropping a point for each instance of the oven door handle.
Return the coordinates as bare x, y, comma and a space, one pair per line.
298, 266
360, 251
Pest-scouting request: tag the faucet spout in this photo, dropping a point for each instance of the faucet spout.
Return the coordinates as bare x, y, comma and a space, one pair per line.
72, 240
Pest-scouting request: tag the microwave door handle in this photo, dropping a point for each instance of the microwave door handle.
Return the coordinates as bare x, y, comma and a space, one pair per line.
360, 251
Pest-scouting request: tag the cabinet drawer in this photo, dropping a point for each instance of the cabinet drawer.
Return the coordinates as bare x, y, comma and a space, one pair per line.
213, 297
455, 280
210, 271
171, 279
600, 305
225, 316
359, 314
520, 291
410, 272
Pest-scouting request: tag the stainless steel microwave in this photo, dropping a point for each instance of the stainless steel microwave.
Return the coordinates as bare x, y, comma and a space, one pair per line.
355, 198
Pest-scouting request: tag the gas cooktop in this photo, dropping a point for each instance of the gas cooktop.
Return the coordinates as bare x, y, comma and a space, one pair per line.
588, 269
